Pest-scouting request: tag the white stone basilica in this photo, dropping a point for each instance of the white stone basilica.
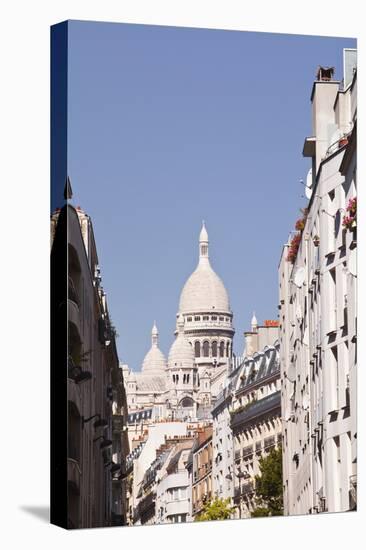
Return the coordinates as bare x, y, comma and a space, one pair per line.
187, 385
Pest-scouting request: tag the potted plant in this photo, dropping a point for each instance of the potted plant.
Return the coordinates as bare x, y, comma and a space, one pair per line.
294, 247
300, 224
350, 219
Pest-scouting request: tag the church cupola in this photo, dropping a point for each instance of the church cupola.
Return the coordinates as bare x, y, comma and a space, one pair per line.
154, 362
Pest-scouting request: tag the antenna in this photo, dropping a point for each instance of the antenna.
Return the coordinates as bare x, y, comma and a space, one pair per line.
308, 184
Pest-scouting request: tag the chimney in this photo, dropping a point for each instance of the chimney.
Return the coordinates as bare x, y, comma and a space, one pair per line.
323, 96
250, 343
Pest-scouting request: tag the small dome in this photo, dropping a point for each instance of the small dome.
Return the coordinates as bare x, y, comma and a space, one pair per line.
155, 361
181, 353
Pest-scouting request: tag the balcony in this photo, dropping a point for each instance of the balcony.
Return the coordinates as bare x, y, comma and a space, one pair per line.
248, 453
244, 490
353, 492
247, 488
269, 443
117, 422
73, 474
257, 409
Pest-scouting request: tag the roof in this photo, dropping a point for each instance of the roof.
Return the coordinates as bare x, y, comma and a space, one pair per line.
204, 291
257, 409
150, 383
262, 365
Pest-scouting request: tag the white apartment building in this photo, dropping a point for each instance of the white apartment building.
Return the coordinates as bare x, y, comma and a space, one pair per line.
246, 418
318, 311
172, 495
255, 422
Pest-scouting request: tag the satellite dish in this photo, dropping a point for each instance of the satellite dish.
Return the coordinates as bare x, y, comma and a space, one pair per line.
305, 402
299, 277
309, 184
352, 262
298, 312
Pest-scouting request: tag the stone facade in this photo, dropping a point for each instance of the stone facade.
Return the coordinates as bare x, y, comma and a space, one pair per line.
318, 315
97, 408
255, 420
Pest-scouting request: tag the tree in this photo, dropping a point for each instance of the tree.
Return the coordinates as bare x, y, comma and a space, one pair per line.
216, 509
268, 485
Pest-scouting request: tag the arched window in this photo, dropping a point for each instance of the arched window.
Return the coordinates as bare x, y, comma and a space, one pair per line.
222, 349
197, 349
206, 349
227, 349
214, 349
186, 402
187, 378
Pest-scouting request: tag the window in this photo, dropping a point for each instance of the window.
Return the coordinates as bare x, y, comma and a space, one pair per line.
197, 318
227, 349
214, 349
221, 319
205, 318
189, 319
197, 349
214, 318
222, 349
206, 349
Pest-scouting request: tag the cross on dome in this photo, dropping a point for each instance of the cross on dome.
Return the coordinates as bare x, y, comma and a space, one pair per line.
203, 242
154, 335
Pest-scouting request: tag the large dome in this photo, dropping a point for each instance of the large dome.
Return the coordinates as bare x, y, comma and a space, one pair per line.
204, 291
181, 353
154, 362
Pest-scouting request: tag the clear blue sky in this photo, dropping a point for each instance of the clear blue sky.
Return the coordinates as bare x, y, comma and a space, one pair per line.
169, 126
